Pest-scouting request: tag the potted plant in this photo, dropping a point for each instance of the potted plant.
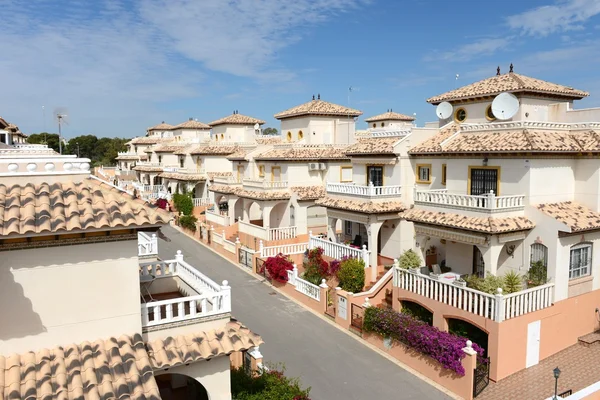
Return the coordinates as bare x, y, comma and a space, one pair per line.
410, 260
460, 282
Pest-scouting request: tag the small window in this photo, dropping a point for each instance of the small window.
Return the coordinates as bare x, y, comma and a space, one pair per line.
346, 174
275, 174
159, 159
489, 115
181, 162
198, 162
423, 173
222, 136
135, 149
289, 136
261, 171
300, 135
580, 261
348, 228
375, 175
460, 115
443, 174
374, 125
240, 172
382, 124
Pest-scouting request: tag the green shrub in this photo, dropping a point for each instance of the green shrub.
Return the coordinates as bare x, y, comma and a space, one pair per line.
537, 274
315, 267
352, 275
271, 385
183, 203
513, 282
188, 222
409, 259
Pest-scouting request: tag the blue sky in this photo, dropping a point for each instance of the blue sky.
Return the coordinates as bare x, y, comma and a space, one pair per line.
121, 66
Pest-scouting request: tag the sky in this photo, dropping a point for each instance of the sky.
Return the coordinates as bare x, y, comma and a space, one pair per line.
119, 67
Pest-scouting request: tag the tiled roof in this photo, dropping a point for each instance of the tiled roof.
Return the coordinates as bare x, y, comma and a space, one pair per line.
185, 349
272, 139
214, 150
145, 168
226, 189
168, 148
510, 141
390, 116
67, 207
211, 175
373, 146
309, 192
575, 216
105, 369
144, 140
478, 224
129, 157
161, 127
363, 206
192, 124
237, 119
239, 154
510, 82
260, 195
183, 177
318, 107
303, 153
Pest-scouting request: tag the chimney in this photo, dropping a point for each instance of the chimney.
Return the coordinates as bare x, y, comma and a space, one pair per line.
319, 96
498, 70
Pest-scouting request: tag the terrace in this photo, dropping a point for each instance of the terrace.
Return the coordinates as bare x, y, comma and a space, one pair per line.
262, 184
365, 192
487, 203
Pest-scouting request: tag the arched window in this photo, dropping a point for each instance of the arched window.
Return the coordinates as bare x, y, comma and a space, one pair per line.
580, 261
382, 124
374, 125
300, 135
222, 136
289, 136
539, 252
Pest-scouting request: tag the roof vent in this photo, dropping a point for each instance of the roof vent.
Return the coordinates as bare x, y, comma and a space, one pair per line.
498, 70
191, 119
511, 68
319, 96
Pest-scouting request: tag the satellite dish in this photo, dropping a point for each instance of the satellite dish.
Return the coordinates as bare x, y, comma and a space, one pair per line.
444, 110
505, 106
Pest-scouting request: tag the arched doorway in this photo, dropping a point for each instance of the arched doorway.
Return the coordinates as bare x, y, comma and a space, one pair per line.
180, 387
255, 213
279, 216
467, 330
222, 205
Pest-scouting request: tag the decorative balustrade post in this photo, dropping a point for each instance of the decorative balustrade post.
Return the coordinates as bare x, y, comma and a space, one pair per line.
371, 189
500, 306
366, 304
154, 244
179, 256
261, 247
226, 292
365, 255
294, 274
491, 200
323, 288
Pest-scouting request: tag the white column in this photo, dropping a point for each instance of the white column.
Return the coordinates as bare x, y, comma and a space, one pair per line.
266, 213
331, 232
231, 210
372, 233
490, 255
301, 219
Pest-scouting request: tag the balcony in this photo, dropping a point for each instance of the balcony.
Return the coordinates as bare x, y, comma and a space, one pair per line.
262, 184
226, 180
496, 307
267, 234
362, 191
147, 164
175, 293
488, 203
182, 170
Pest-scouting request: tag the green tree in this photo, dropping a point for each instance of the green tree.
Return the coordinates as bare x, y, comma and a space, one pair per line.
270, 131
50, 139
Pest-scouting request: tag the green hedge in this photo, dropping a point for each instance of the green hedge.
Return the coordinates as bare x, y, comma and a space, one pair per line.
188, 222
352, 275
183, 203
272, 385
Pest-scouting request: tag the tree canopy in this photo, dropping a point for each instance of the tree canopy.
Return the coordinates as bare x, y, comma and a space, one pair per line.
101, 151
270, 131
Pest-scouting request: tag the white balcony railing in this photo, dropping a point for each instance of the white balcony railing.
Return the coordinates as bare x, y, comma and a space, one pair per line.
494, 307
352, 189
226, 180
264, 184
147, 244
184, 170
287, 249
217, 218
201, 201
288, 232
487, 202
147, 164
309, 289
337, 250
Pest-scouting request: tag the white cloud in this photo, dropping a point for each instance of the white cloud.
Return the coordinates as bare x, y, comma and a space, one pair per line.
481, 47
566, 15
113, 63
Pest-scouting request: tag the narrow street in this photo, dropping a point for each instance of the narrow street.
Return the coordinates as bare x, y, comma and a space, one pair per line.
333, 364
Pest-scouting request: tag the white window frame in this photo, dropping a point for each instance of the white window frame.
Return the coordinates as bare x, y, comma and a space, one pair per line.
581, 270
422, 169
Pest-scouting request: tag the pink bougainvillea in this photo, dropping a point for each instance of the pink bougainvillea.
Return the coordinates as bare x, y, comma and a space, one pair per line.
277, 267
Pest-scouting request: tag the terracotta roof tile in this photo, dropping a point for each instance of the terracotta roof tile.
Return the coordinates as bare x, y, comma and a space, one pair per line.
183, 177
161, 127
575, 216
169, 148
373, 146
211, 175
364, 206
192, 124
145, 168
68, 207
226, 189
105, 369
260, 195
509, 141
144, 140
303, 153
213, 150
272, 139
309, 192
510, 82
237, 119
184, 349
129, 157
239, 154
390, 116
478, 224
318, 107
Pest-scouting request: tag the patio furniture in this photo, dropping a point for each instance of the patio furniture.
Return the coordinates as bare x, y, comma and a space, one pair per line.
436, 269
449, 277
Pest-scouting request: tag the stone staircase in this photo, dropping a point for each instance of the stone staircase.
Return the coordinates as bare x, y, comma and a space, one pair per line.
387, 301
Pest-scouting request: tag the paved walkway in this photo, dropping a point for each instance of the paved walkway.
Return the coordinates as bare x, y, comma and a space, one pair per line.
334, 364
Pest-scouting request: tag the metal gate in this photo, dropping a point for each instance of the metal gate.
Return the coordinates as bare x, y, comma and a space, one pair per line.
356, 317
482, 378
246, 257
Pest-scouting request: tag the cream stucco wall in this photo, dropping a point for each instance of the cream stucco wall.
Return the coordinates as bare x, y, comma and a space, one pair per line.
319, 129
214, 375
61, 295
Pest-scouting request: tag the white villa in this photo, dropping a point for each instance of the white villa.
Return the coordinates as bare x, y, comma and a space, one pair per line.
90, 311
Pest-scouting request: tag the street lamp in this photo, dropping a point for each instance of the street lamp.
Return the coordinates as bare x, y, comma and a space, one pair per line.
556, 376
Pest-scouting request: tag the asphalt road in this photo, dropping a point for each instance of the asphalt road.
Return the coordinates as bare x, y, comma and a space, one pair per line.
333, 364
